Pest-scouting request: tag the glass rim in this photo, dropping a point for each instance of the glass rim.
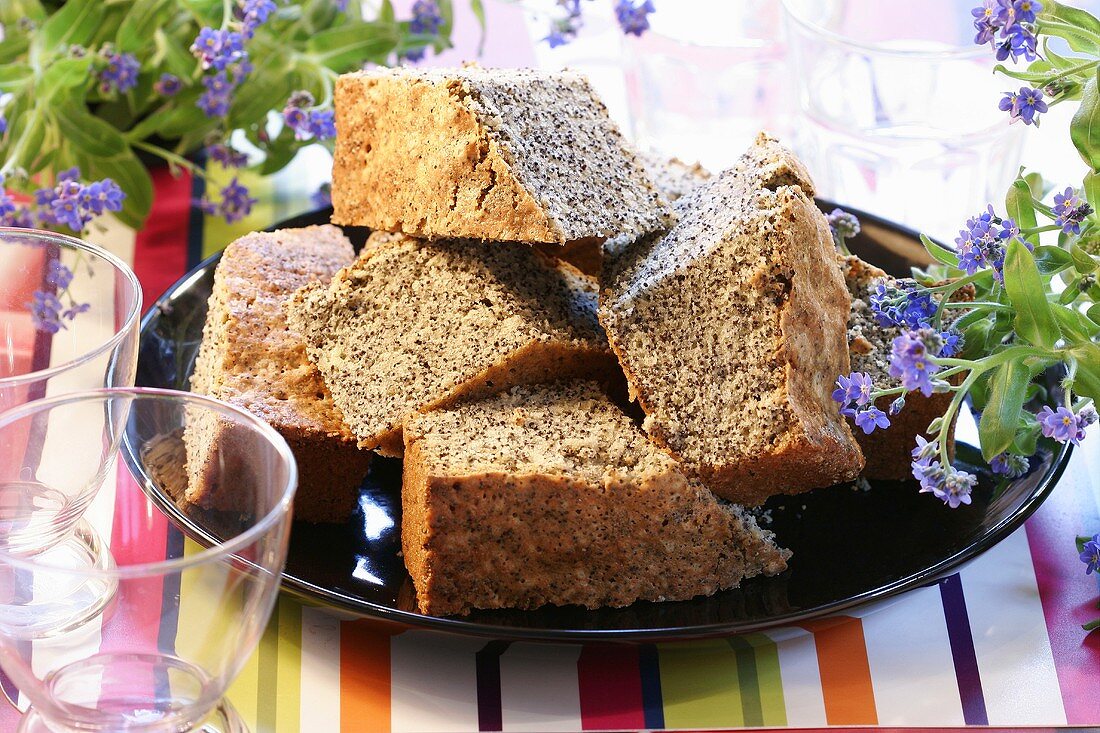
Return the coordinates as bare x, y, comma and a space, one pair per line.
127, 325
952, 52
206, 554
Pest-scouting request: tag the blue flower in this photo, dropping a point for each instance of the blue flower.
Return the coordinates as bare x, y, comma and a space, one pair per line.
1025, 104
952, 343
1070, 210
3, 124
1090, 555
856, 387
870, 418
426, 19
1018, 41
957, 487
565, 29
59, 275
214, 102
1085, 416
634, 17
902, 305
843, 224
322, 124
168, 85
120, 73
1060, 424
219, 49
947, 483
45, 311
235, 204
1018, 11
1009, 465
910, 360
254, 13
228, 156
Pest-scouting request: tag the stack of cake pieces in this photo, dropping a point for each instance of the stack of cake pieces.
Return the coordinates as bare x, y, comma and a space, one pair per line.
526, 264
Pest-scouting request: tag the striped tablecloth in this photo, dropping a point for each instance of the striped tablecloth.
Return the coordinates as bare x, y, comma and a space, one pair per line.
998, 643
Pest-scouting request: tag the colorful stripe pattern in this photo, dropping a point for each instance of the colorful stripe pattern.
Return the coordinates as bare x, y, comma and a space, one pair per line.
998, 642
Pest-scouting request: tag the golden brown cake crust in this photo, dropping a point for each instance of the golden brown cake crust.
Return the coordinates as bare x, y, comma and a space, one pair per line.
485, 154
563, 501
731, 332
250, 358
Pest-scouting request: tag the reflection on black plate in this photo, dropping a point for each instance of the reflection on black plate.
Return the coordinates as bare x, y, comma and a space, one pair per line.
850, 545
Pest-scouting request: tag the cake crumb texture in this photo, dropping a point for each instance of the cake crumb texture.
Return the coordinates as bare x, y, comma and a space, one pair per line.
551, 494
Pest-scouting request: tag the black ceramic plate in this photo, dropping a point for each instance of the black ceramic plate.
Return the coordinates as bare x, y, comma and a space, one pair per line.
850, 545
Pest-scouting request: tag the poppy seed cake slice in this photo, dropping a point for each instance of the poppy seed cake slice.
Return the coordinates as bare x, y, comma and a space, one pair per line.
731, 331
249, 358
551, 494
494, 154
415, 325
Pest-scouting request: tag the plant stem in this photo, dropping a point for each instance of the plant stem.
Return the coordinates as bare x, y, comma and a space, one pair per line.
949, 415
977, 304
169, 156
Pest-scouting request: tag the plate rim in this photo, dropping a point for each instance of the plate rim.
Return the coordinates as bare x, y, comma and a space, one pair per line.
326, 598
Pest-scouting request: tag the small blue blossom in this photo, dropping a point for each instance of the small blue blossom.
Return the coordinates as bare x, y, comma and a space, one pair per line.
1026, 105
1018, 41
910, 359
1090, 555
218, 49
72, 204
168, 85
3, 124
427, 19
322, 124
341, 5
1060, 424
1018, 11
254, 13
565, 29
633, 16
228, 156
950, 485
214, 102
870, 418
120, 73
901, 305
235, 204
46, 311
306, 123
957, 487
897, 405
985, 22
856, 387
952, 343
1085, 416
58, 275
842, 224
1070, 210
1009, 465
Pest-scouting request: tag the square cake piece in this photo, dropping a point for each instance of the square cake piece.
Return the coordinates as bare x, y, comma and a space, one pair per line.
416, 325
731, 330
494, 154
551, 494
250, 358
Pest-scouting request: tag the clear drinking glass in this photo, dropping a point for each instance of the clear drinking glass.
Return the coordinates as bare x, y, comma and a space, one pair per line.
130, 665
899, 109
706, 78
69, 315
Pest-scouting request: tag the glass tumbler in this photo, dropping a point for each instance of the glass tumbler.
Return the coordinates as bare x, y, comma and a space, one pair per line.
69, 315
706, 78
171, 627
898, 109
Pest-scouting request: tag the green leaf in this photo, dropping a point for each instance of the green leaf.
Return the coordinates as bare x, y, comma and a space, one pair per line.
1091, 186
128, 172
478, 9
1074, 326
939, 252
13, 48
88, 133
64, 76
1042, 74
1091, 625
1020, 207
1077, 38
1000, 417
143, 20
1051, 259
385, 13
1082, 260
1024, 286
347, 47
14, 76
1084, 128
1087, 380
1093, 313
1035, 183
1071, 15
1026, 441
76, 22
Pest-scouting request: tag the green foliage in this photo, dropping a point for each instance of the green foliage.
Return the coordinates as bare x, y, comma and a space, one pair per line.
58, 114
